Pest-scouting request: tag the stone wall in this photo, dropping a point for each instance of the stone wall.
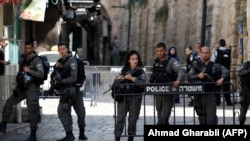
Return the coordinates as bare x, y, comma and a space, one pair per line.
183, 27
248, 28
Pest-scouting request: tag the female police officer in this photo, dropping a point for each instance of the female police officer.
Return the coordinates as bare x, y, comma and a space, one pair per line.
132, 73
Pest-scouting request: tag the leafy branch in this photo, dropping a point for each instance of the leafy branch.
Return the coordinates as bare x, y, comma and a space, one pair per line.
161, 14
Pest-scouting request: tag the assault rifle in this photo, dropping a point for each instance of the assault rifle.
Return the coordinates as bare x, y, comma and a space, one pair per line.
208, 76
51, 91
120, 81
54, 84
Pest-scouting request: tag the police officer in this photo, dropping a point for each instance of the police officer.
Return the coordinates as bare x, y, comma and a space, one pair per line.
213, 75
191, 57
79, 108
244, 74
131, 73
65, 81
27, 89
165, 70
224, 59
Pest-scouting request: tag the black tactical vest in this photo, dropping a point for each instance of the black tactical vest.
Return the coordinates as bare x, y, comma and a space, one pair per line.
160, 74
213, 72
131, 88
64, 71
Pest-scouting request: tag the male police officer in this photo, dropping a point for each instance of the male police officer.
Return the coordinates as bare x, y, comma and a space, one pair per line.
30, 69
244, 74
223, 56
165, 70
191, 57
65, 80
207, 71
79, 108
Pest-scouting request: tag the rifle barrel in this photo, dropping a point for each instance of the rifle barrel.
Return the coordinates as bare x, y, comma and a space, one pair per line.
106, 91
117, 82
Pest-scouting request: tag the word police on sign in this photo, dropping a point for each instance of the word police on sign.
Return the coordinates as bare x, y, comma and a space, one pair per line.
167, 88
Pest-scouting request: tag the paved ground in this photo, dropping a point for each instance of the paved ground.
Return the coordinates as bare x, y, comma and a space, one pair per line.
100, 121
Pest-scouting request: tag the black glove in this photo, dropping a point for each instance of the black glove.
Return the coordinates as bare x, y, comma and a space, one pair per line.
57, 82
58, 77
16, 92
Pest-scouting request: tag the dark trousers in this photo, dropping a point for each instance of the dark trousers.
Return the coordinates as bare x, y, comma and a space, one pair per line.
31, 94
131, 105
244, 104
79, 108
205, 107
226, 93
64, 107
164, 104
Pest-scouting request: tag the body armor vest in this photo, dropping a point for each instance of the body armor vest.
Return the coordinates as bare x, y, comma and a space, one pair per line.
160, 74
210, 69
64, 72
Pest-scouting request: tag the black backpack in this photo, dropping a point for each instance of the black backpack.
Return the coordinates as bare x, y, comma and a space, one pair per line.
224, 58
81, 76
80, 71
46, 68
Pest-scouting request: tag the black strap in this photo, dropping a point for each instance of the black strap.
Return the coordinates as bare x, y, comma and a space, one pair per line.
63, 61
25, 62
33, 59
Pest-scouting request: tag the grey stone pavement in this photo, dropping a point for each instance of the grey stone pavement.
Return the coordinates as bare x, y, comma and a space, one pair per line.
100, 121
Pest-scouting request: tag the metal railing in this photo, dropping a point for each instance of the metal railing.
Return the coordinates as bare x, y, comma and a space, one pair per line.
181, 113
100, 78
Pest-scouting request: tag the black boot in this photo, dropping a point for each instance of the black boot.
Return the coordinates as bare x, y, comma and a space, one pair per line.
69, 137
3, 127
117, 138
82, 135
242, 120
32, 136
130, 138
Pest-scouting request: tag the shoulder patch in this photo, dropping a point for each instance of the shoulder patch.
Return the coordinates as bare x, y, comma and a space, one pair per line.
73, 65
39, 66
176, 63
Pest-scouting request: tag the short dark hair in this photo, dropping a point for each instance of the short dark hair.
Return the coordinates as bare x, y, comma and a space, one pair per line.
29, 42
32, 39
161, 44
189, 48
222, 42
62, 44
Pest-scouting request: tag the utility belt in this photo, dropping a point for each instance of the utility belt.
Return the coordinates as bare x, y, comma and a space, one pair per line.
66, 86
